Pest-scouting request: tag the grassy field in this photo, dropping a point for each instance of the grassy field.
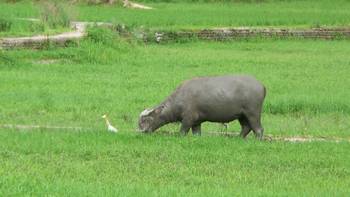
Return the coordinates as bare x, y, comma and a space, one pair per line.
103, 164
206, 15
307, 95
73, 86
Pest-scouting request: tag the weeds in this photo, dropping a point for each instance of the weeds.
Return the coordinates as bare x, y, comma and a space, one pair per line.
6, 60
101, 35
54, 15
5, 25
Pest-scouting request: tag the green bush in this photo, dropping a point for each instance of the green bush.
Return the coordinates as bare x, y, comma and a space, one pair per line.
101, 35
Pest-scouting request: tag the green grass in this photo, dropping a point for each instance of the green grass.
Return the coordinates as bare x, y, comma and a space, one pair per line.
207, 15
27, 28
103, 164
306, 82
53, 19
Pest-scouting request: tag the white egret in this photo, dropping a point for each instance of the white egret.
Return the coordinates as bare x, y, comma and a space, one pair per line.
109, 126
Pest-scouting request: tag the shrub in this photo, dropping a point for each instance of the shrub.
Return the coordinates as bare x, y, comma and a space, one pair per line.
101, 35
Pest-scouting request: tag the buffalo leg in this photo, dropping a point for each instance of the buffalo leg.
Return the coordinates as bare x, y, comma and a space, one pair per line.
254, 122
184, 128
245, 126
187, 123
196, 129
224, 127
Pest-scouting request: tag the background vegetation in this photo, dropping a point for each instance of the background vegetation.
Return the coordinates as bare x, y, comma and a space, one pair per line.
51, 17
294, 14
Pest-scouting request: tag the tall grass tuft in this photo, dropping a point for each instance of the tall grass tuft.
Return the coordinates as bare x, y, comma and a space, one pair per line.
6, 60
108, 37
9, 62
101, 35
101, 46
54, 14
5, 25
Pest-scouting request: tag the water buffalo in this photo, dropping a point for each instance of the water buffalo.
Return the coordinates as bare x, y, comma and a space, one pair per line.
216, 99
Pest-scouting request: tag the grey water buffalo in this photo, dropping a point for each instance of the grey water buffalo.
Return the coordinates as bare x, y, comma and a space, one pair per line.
215, 99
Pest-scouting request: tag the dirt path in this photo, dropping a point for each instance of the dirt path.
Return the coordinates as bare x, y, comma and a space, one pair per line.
294, 139
287, 138
77, 33
33, 41
31, 127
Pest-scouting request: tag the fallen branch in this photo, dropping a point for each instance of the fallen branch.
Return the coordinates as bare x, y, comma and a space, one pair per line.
129, 4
